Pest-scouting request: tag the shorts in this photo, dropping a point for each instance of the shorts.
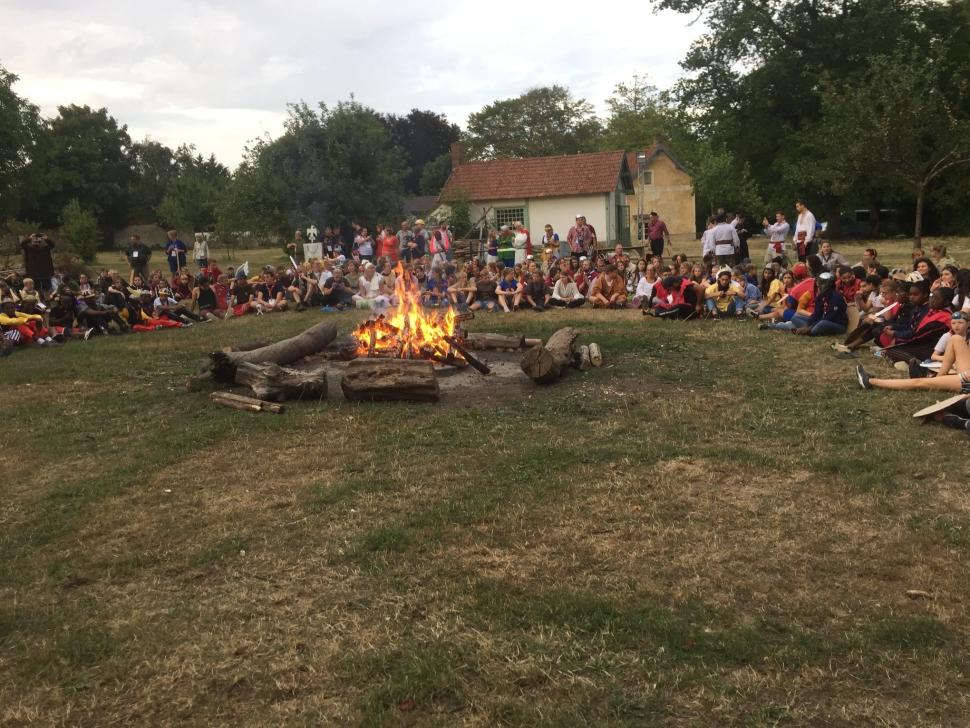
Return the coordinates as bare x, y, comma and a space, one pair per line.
965, 382
240, 309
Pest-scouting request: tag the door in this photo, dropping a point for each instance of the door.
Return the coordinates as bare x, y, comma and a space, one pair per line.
623, 224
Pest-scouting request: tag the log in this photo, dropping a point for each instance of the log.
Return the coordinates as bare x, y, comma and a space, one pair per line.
595, 355
545, 364
390, 380
246, 404
478, 365
581, 358
484, 342
247, 346
287, 351
529, 343
278, 384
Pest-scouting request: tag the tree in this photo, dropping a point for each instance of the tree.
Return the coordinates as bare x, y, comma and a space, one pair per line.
900, 118
542, 121
424, 137
636, 116
79, 227
81, 154
435, 174
193, 196
19, 125
154, 168
254, 202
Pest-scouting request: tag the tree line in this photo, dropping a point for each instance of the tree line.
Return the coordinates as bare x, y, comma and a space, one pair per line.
850, 104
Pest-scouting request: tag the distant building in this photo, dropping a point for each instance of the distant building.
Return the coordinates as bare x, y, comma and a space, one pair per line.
548, 190
663, 185
420, 206
603, 186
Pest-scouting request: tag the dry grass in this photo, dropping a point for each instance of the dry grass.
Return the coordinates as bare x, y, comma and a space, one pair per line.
715, 529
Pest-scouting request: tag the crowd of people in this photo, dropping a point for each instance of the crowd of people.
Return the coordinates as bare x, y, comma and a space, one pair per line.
914, 318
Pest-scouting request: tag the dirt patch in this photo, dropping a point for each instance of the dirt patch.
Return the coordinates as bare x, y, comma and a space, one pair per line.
459, 387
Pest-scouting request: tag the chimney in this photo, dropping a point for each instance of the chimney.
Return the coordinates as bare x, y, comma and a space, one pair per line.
457, 155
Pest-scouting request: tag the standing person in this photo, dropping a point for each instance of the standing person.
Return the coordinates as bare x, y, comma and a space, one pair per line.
657, 234
743, 225
726, 241
449, 238
439, 245
804, 230
551, 237
506, 246
200, 251
578, 238
419, 241
389, 245
38, 260
175, 250
295, 249
777, 233
522, 242
405, 241
138, 255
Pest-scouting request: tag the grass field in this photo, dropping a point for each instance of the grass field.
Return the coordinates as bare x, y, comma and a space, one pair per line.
717, 528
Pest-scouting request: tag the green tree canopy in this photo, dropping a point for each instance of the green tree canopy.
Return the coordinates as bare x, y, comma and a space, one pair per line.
80, 154
19, 126
542, 121
80, 229
424, 137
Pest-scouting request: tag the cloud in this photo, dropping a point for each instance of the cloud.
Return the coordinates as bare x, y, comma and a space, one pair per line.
217, 75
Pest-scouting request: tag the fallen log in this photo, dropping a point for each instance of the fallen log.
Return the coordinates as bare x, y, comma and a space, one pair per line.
287, 351
278, 384
595, 355
529, 343
247, 346
484, 342
246, 404
581, 358
544, 364
390, 380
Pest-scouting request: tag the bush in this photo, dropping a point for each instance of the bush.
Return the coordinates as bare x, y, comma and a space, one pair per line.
79, 227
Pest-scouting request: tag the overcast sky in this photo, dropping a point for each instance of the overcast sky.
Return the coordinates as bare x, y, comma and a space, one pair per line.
218, 74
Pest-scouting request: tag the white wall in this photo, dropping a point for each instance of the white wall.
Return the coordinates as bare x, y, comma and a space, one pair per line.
560, 212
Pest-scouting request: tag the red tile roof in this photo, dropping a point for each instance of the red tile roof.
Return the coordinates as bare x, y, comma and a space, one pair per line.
518, 179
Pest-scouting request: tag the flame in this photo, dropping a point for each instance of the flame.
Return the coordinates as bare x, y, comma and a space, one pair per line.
407, 331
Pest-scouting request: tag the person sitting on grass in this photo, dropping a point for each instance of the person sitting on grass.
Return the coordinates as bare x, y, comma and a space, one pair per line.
435, 291
908, 320
141, 313
369, 289
795, 314
95, 316
676, 298
830, 259
608, 290
867, 298
871, 325
644, 296
926, 268
847, 283
209, 304
167, 307
61, 317
241, 299
721, 296
22, 328
564, 293
485, 296
772, 291
509, 291
270, 293
956, 358
750, 298
829, 317
535, 294
336, 293
462, 291
909, 352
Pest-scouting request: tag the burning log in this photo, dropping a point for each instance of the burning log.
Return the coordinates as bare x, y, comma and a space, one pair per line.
545, 364
246, 404
278, 384
389, 380
476, 364
479, 342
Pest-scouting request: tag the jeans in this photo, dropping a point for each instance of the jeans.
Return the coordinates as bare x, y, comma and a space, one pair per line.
827, 328
712, 307
796, 322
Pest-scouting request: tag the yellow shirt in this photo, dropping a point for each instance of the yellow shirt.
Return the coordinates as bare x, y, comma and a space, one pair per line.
722, 302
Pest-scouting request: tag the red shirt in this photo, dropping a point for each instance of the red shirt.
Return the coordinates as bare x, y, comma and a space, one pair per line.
389, 247
657, 230
848, 290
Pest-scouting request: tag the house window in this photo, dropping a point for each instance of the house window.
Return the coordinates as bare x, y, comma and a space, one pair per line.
642, 223
508, 215
647, 177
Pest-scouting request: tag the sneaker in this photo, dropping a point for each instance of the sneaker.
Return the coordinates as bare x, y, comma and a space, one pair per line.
88, 334
206, 320
328, 309
229, 313
187, 325
863, 376
901, 366
764, 327
878, 354
956, 422
841, 348
259, 310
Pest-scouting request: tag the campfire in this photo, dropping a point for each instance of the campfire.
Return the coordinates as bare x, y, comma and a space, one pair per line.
410, 332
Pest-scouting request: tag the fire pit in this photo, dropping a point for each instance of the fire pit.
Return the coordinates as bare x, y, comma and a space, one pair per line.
409, 332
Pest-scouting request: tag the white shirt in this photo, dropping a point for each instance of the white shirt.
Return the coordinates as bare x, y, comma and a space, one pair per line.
707, 242
726, 239
201, 249
565, 291
806, 224
645, 288
370, 288
778, 231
